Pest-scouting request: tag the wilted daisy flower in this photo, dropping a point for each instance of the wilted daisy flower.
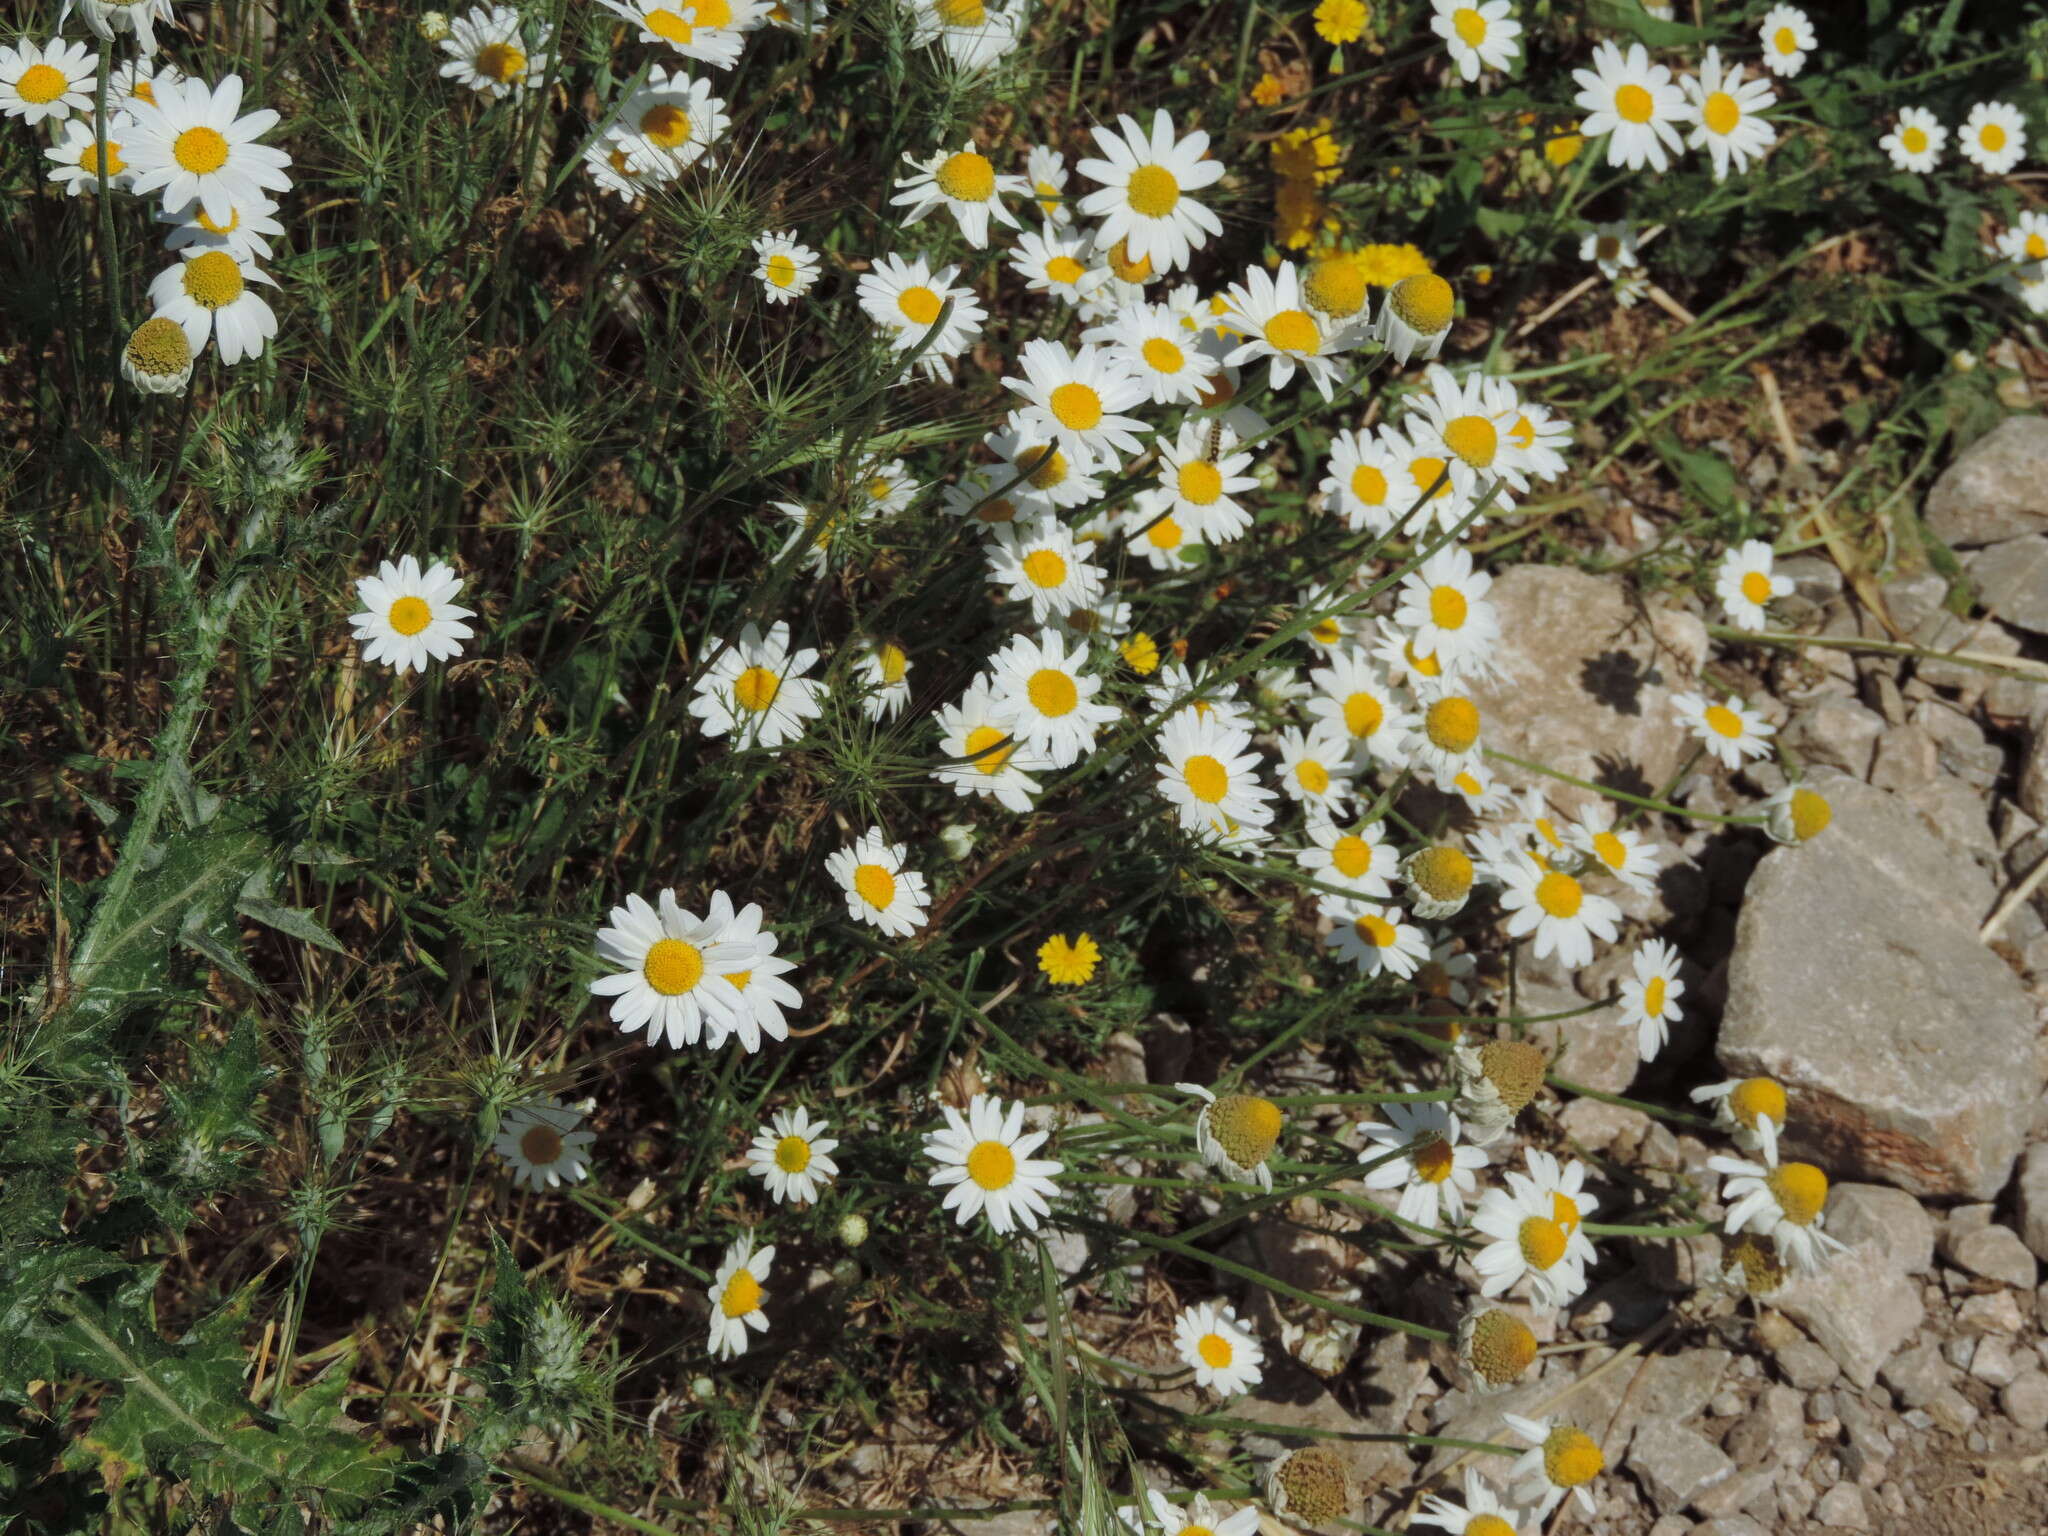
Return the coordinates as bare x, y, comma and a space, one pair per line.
711, 31
1378, 939
963, 182
736, 1296
988, 759
1751, 1110
1309, 1486
1611, 247
985, 1155
1416, 316
1439, 878
76, 156
208, 293
488, 52
540, 1139
1359, 862
1563, 915
1200, 1518
1495, 1083
1916, 140
1056, 262
1073, 400
1994, 137
1200, 478
1564, 1461
1435, 1176
884, 672
1151, 342
158, 357
1526, 1242
786, 268
1795, 814
1649, 999
1359, 486
1269, 314
410, 616
906, 299
1445, 610
1237, 1134
1724, 112
1744, 582
192, 145
878, 889
1635, 101
670, 122
755, 689
107, 17
1316, 769
1143, 203
432, 26
791, 1155
1352, 696
1040, 685
675, 971
1478, 33
1482, 1513
1733, 732
1782, 1201
974, 33
1214, 1343
1068, 962
763, 994
1103, 618
46, 80
1039, 562
1209, 773
1496, 1348
1787, 37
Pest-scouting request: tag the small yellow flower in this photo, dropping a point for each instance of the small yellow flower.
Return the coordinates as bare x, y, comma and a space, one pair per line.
1340, 21
1268, 91
1307, 153
1068, 962
1141, 654
1563, 150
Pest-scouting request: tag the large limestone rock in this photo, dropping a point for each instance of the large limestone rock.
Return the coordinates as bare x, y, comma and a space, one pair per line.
2012, 581
1858, 981
1585, 682
1997, 489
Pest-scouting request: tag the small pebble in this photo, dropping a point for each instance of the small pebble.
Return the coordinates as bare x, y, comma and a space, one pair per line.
1820, 1407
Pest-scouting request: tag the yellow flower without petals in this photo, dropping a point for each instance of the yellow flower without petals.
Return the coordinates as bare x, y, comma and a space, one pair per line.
1340, 21
1068, 962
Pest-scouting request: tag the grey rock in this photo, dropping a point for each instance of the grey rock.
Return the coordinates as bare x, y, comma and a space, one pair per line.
1729, 1525
1602, 1127
1952, 1412
1586, 679
1859, 1308
2012, 580
1678, 1386
2024, 1400
1738, 1491
1996, 489
1837, 733
1804, 1364
1726, 1403
1907, 1048
1960, 745
1773, 1433
2031, 1206
1820, 1411
1890, 1218
1996, 1312
1674, 1463
1841, 1508
1917, 1374
1956, 811
2033, 785
1960, 1352
1972, 685
1796, 1498
1907, 757
1993, 1363
1995, 1253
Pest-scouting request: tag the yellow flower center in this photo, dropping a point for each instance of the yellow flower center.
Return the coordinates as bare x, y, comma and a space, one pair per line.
713, 13
739, 979
1427, 666
1064, 269
1050, 198
1045, 568
409, 615
1633, 104
891, 663
792, 1154
1335, 285
1447, 608
755, 689
1120, 262
742, 1294
1802, 1190
1423, 301
1001, 510
1200, 482
1429, 475
875, 886
500, 62
1216, 1353
1810, 814
1914, 139
991, 1165
1152, 192
1351, 856
919, 305
966, 177
144, 91
1474, 439
1542, 1242
1312, 776
1294, 330
1755, 1099
1570, 1457
1434, 1160
669, 26
1246, 1127
1559, 895
1564, 149
234, 221
1785, 40
781, 270
1723, 721
1467, 783
668, 126
1992, 137
2036, 247
1721, 113
1653, 997
1162, 356
41, 83
213, 279
1077, 407
1165, 534
673, 967
1369, 485
89, 162
961, 13
1469, 25
1502, 1348
541, 1145
1052, 692
978, 746
1208, 780
1756, 586
159, 348
1444, 873
1564, 1210
1376, 931
1048, 474
1452, 723
1363, 713
1326, 632
1314, 1485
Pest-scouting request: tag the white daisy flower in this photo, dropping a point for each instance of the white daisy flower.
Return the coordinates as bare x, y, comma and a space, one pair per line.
1994, 137
1179, 690
985, 1155
609, 165
1435, 1177
1270, 315
1563, 915
1447, 973
1471, 424
1039, 682
1038, 475
1377, 939
1621, 852
884, 672
1483, 1513
1200, 478
1527, 1243
1056, 261
1154, 344
764, 996
907, 298
1474, 784
1353, 696
710, 31
1611, 247
1215, 1344
157, 358
1039, 562
106, 18
1649, 999
791, 1155
979, 496
1073, 399
1444, 607
1564, 1461
878, 889
1560, 1188
1447, 740
963, 182
671, 122
409, 616
244, 236
1316, 768
1636, 102
193, 145
1198, 1519
786, 268
209, 293
1365, 469
1237, 1134
1045, 175
1415, 317
1166, 542
136, 80
1745, 583
1426, 491
1916, 140
806, 18
1796, 814
1480, 34
47, 80
1539, 829
986, 756
1361, 862
1724, 112
76, 156
1143, 203
1209, 774
814, 530
737, 1291
756, 690
1787, 37
540, 1139
487, 51
882, 487
1782, 1201
677, 971
1104, 618
1331, 631
1733, 732
973, 33
1752, 1110
1542, 437
2027, 239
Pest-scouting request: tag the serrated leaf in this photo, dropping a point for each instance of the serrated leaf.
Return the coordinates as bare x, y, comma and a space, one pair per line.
294, 922
222, 946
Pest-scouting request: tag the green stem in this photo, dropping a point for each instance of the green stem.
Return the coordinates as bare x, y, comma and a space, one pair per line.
1644, 801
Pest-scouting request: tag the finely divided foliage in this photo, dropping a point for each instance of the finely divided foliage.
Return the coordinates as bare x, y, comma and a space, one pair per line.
674, 660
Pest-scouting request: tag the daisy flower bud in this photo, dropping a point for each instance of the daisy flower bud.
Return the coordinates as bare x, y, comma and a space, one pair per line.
1309, 1485
852, 1229
1495, 1347
433, 26
158, 358
1495, 1083
1416, 316
1439, 880
1237, 1133
1796, 814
